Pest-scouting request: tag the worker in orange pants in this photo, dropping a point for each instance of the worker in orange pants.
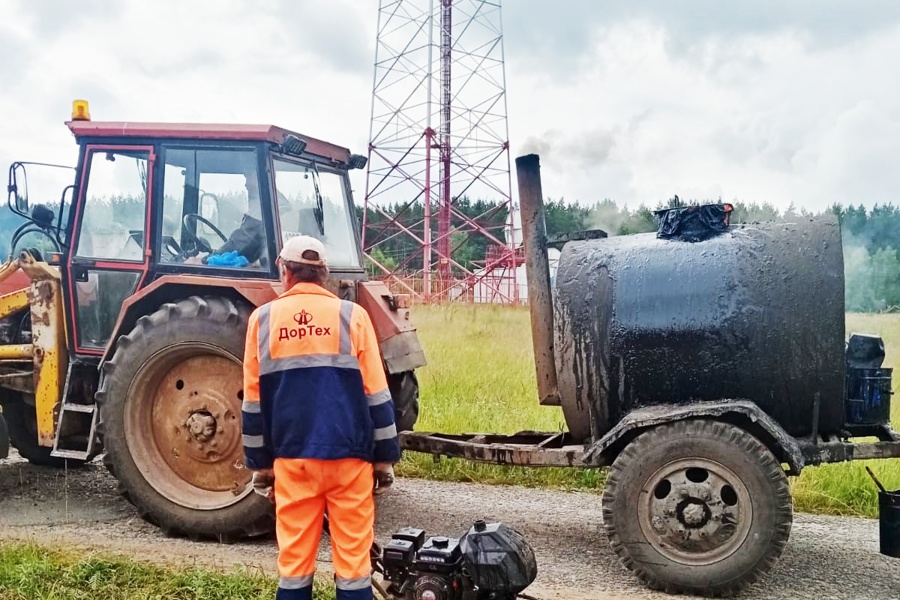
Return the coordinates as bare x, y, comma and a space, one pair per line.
344, 489
318, 422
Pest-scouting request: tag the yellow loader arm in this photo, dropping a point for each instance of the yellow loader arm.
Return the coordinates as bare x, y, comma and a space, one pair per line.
47, 351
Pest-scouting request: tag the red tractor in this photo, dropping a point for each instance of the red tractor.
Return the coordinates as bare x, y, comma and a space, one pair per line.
129, 336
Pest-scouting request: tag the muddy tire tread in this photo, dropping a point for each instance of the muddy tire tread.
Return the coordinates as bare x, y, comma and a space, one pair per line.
221, 312
405, 394
632, 456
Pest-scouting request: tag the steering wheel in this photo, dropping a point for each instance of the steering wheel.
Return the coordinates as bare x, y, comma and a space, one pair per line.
201, 243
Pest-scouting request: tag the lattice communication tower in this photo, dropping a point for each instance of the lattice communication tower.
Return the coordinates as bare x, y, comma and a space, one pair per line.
439, 137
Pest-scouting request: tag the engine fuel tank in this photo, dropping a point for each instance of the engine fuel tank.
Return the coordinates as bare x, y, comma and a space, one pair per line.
755, 313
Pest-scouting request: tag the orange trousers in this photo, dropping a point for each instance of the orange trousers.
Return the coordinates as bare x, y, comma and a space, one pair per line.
304, 490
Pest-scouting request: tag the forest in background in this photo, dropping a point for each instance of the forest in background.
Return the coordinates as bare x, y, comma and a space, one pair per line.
871, 237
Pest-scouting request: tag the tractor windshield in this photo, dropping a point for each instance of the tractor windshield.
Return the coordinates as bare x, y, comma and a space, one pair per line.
313, 200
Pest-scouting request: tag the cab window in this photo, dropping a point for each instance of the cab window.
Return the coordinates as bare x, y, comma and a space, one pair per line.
115, 207
212, 209
315, 201
111, 232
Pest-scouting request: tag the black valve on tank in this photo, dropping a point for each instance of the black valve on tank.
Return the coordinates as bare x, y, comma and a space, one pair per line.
490, 562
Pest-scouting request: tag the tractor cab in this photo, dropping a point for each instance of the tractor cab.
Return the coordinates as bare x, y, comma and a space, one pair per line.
155, 200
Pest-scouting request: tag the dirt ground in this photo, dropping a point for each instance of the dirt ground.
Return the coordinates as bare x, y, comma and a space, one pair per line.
827, 557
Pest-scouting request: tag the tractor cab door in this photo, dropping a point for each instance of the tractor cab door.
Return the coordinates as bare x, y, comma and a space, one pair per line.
109, 256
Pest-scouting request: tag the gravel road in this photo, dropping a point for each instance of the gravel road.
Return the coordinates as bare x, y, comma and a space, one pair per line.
827, 557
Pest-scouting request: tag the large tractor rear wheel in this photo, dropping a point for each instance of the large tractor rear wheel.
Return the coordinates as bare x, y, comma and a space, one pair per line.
697, 507
170, 407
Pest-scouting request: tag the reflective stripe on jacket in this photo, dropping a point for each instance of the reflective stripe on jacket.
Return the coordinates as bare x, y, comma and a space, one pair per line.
314, 384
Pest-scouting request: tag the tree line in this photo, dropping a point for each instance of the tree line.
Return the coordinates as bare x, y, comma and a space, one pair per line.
871, 237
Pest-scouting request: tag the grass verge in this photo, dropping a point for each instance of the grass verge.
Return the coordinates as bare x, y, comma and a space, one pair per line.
31, 572
480, 378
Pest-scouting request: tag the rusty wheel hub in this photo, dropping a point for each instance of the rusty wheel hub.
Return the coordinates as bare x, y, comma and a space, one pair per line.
695, 511
185, 428
201, 425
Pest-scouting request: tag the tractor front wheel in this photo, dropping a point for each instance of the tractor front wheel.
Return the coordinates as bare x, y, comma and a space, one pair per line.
170, 407
405, 393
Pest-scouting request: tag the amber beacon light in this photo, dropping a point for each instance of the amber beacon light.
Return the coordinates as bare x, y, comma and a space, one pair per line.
80, 110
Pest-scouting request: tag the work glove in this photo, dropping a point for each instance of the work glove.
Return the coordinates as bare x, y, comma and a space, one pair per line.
263, 481
384, 477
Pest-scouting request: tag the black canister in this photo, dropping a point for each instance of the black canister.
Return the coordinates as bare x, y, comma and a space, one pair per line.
868, 396
889, 523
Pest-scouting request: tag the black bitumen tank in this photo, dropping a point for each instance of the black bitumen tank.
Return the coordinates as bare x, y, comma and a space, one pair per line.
756, 312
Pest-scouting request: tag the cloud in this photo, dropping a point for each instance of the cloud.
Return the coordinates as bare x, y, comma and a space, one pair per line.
537, 27
755, 117
339, 36
633, 101
52, 18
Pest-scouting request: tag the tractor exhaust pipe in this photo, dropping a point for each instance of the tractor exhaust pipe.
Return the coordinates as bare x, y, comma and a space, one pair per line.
537, 269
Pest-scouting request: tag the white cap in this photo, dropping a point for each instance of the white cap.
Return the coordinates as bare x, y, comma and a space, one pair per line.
293, 250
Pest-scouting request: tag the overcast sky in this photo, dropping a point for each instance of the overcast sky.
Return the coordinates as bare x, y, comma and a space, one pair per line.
753, 100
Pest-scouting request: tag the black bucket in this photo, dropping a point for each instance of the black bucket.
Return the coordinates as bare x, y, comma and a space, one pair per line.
868, 396
889, 522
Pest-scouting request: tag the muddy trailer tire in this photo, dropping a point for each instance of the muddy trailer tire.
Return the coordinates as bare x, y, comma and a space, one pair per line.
405, 393
698, 507
21, 423
170, 408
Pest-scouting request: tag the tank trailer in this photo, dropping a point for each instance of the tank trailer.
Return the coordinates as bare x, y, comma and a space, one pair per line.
701, 374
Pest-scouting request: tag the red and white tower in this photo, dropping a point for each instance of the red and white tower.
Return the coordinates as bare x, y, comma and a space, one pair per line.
439, 135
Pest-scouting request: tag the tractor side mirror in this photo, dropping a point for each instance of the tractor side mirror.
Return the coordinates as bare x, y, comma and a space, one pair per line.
18, 189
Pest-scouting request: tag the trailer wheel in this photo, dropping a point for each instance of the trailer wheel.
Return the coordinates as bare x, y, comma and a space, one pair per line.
698, 507
170, 407
405, 393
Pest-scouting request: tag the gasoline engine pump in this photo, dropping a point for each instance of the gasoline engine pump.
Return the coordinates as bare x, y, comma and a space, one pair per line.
490, 562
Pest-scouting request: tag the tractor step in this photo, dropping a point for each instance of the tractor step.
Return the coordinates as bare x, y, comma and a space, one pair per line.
70, 454
81, 408
85, 417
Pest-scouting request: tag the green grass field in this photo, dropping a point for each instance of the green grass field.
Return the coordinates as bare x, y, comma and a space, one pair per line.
31, 572
480, 378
